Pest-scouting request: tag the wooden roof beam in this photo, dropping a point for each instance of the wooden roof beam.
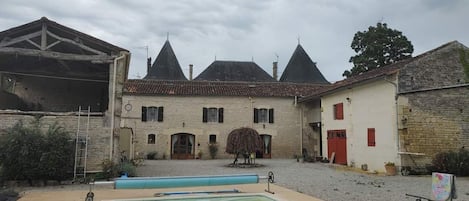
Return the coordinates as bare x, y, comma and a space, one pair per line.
57, 55
5, 43
75, 43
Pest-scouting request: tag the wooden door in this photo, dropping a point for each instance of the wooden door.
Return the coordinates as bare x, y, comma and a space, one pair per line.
337, 143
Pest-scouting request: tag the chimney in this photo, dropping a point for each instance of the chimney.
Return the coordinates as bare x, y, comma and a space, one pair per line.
274, 68
148, 64
191, 67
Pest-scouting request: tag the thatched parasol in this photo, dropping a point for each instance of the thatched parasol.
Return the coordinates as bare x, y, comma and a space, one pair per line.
243, 141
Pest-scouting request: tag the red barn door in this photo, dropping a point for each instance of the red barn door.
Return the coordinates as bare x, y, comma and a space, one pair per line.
337, 143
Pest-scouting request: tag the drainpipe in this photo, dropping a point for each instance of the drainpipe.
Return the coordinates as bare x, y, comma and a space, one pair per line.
301, 130
252, 105
397, 111
113, 102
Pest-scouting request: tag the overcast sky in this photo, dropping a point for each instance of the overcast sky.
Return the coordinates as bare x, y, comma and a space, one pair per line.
245, 30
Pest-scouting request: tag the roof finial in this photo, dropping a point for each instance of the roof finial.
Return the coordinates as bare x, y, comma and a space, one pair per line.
167, 36
298, 39
252, 58
276, 55
215, 57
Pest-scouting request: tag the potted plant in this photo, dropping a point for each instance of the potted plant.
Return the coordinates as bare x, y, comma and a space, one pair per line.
390, 168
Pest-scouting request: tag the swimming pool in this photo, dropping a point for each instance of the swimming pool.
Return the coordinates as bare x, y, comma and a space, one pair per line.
232, 197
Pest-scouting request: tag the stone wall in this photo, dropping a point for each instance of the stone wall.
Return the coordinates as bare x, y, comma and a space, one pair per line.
433, 105
98, 147
183, 114
435, 121
436, 68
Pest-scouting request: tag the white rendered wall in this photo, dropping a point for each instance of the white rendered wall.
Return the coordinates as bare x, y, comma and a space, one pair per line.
371, 105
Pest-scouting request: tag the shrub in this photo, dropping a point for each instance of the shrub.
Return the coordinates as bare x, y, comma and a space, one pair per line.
57, 155
109, 169
152, 155
112, 170
213, 149
27, 153
452, 162
21, 150
128, 168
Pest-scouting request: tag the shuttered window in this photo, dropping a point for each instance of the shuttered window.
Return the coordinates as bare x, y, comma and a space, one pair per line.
339, 111
371, 137
263, 115
152, 113
212, 114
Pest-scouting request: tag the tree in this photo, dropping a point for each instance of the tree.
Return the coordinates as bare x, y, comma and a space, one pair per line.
243, 141
378, 47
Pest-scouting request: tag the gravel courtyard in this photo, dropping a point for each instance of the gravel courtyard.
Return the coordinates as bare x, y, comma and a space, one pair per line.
330, 183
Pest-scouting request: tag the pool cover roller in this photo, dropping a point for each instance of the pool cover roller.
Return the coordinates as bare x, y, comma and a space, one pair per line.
184, 181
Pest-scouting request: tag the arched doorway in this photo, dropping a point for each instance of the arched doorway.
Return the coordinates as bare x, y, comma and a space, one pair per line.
182, 146
267, 152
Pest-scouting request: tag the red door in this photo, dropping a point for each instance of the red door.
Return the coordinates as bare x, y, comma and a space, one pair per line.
337, 143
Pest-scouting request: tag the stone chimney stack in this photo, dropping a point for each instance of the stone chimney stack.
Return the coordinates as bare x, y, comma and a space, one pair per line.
274, 69
148, 64
191, 68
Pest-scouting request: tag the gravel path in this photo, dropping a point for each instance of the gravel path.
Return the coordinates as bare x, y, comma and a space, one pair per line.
316, 179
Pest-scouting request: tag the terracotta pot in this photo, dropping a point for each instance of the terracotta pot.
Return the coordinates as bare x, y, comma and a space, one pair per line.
391, 170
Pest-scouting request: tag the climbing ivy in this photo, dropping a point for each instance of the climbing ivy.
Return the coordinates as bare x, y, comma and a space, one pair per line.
464, 56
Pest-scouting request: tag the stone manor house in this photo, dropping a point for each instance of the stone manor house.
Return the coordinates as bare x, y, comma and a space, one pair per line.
405, 112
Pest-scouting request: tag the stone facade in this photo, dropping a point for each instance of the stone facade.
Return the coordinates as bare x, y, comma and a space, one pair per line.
183, 114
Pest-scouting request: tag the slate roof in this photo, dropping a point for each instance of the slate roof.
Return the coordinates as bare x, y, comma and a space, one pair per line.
301, 69
372, 75
235, 71
166, 65
217, 88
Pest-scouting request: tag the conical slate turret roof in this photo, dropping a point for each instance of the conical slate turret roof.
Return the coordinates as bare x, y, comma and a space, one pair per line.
166, 66
301, 69
235, 71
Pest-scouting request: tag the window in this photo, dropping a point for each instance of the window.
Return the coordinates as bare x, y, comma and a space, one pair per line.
339, 111
212, 115
263, 115
331, 134
371, 137
151, 139
212, 139
152, 114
